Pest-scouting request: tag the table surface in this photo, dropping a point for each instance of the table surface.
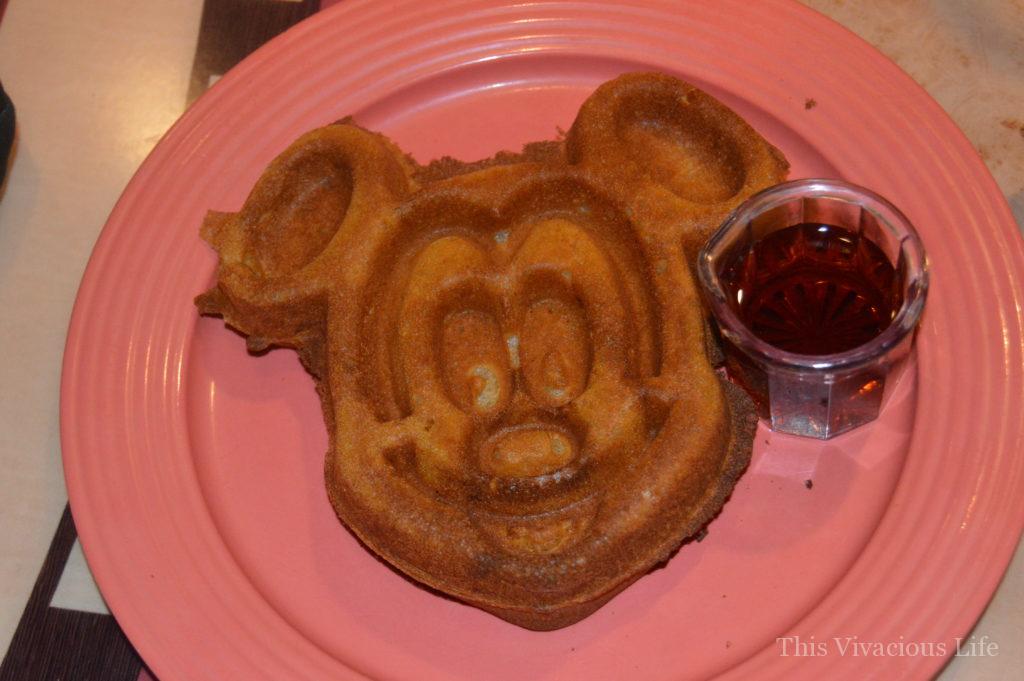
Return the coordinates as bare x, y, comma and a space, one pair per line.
97, 82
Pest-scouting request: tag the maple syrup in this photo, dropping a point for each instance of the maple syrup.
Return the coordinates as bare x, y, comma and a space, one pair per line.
813, 289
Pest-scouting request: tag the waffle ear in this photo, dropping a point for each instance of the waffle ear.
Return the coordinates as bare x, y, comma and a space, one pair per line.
278, 254
655, 130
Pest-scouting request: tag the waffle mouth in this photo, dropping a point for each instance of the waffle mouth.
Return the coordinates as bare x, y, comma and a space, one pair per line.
534, 535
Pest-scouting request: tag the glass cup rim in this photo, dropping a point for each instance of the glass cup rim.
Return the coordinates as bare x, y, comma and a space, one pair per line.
742, 337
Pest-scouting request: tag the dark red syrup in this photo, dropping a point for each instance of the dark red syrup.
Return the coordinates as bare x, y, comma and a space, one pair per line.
813, 289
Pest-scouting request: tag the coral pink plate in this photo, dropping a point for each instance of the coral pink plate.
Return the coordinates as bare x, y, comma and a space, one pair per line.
195, 470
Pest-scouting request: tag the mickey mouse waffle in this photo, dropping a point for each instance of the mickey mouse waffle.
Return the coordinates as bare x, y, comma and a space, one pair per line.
510, 354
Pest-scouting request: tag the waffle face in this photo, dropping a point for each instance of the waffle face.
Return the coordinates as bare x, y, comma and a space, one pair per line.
510, 354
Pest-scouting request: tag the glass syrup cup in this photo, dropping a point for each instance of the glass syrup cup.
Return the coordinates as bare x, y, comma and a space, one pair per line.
817, 396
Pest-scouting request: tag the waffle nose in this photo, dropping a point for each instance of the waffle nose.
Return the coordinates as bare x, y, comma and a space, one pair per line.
526, 452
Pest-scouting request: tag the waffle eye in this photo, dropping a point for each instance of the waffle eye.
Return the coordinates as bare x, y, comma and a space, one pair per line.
555, 351
475, 362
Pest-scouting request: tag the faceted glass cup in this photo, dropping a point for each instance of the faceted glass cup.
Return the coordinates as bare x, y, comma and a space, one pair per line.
816, 395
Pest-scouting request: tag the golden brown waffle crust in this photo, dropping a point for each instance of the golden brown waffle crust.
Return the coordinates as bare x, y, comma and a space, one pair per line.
510, 353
